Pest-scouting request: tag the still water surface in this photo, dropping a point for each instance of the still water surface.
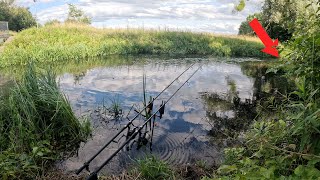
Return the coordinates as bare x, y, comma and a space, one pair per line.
181, 136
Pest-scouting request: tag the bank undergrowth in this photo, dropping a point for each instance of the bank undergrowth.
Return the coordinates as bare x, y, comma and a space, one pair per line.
36, 125
65, 42
286, 144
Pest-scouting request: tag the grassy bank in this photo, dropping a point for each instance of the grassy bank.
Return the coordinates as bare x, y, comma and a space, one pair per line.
65, 42
36, 125
152, 168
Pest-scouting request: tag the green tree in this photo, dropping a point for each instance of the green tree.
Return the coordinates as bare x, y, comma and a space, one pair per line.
77, 15
4, 11
279, 17
10, 2
19, 18
244, 28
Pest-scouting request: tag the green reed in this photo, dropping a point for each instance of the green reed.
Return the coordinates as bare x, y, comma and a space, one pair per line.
36, 124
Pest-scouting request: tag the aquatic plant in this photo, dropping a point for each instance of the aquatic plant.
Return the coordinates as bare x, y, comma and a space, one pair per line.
115, 108
36, 124
66, 42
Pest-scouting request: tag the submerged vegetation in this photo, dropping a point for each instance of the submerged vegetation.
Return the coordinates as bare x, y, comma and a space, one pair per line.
72, 41
36, 125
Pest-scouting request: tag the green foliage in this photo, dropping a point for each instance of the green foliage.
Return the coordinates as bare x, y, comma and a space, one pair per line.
115, 109
245, 28
153, 168
286, 145
306, 118
19, 18
77, 15
279, 17
279, 149
302, 53
58, 43
36, 124
241, 5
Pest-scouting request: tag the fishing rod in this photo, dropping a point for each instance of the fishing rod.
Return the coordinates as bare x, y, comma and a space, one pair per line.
94, 175
86, 164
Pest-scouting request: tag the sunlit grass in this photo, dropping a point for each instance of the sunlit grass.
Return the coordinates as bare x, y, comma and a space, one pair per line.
66, 42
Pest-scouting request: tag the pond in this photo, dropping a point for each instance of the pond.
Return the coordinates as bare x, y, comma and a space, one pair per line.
220, 95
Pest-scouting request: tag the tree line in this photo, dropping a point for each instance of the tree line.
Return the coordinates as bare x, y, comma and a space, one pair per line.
279, 17
20, 18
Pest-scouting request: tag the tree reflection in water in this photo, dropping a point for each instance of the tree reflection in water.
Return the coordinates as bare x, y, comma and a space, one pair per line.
230, 116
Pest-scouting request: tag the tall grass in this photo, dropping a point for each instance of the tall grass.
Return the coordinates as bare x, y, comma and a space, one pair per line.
36, 124
65, 42
153, 168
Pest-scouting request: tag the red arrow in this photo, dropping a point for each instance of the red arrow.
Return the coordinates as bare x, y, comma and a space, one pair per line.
270, 46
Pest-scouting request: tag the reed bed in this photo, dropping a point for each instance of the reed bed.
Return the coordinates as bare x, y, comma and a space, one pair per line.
65, 42
36, 125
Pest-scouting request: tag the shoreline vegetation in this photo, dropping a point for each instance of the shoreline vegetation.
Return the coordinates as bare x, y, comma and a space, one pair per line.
37, 126
75, 41
37, 123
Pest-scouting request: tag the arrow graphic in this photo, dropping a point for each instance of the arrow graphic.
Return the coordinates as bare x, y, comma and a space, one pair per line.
270, 46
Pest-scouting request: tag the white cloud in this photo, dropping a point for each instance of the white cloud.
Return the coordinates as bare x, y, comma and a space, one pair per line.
214, 15
56, 12
31, 2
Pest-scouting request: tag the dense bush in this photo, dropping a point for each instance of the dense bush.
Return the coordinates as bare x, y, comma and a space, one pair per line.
286, 145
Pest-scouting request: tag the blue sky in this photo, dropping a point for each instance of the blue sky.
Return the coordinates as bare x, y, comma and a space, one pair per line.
191, 15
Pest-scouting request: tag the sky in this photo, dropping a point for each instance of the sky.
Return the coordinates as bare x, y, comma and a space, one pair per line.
216, 16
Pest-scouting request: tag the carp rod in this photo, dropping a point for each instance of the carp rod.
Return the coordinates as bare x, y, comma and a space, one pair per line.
94, 175
86, 164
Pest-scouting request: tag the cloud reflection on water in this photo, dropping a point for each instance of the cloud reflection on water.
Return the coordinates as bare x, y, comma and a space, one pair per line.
185, 113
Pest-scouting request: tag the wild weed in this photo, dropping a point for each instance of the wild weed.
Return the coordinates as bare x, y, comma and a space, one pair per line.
153, 168
36, 124
74, 42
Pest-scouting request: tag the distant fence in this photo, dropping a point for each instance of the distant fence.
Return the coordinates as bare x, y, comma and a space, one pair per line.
4, 31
